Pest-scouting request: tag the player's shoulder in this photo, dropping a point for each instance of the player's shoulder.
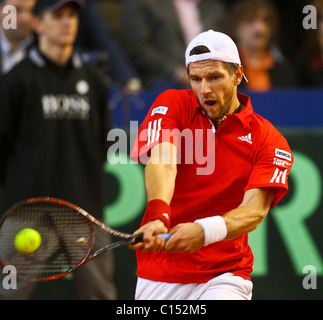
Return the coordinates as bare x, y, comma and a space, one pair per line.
178, 104
249, 117
177, 93
174, 98
263, 124
266, 131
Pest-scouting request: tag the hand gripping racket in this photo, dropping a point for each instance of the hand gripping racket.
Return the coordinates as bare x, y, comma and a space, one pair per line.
67, 238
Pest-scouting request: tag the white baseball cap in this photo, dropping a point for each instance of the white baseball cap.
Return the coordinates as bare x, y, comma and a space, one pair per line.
220, 45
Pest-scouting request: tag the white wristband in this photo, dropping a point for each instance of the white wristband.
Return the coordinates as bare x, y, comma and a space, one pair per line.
214, 228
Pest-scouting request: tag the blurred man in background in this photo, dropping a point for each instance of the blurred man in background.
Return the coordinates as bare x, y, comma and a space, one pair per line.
54, 118
254, 25
14, 41
156, 33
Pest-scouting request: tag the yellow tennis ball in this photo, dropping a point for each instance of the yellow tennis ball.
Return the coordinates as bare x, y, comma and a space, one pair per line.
27, 240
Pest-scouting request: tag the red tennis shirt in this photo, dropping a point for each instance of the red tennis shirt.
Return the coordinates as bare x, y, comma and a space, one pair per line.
215, 169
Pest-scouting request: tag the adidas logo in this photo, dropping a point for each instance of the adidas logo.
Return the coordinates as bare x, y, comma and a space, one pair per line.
246, 138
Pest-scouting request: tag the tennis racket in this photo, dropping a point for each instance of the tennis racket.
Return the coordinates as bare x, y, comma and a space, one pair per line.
67, 238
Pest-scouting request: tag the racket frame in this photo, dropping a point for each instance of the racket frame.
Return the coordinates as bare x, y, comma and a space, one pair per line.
127, 238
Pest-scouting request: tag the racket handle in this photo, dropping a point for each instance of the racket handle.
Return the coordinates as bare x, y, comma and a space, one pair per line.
139, 237
165, 236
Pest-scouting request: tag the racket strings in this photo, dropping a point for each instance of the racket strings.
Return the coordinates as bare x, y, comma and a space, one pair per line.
66, 240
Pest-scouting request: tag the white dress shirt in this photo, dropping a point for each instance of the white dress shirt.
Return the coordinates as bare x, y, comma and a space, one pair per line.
189, 18
10, 57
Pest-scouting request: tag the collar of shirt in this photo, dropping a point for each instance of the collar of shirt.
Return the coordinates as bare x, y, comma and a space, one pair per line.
41, 61
245, 114
4, 43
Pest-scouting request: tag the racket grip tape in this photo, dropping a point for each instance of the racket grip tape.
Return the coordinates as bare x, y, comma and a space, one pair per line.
165, 236
140, 237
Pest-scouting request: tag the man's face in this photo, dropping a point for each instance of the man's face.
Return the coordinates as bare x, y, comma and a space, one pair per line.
255, 32
214, 87
59, 27
24, 10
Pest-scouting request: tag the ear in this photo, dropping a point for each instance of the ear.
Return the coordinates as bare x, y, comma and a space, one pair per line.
238, 75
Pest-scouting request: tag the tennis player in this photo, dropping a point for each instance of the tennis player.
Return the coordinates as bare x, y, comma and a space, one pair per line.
214, 168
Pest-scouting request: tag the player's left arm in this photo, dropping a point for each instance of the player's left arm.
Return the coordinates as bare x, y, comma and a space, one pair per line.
190, 237
253, 209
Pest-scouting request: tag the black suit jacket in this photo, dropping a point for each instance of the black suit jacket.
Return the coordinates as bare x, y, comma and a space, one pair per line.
154, 38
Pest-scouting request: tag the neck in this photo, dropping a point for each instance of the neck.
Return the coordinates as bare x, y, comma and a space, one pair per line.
57, 54
235, 103
234, 108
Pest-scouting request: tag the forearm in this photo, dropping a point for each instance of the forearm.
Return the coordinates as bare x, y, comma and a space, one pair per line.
233, 224
160, 181
160, 173
243, 220
239, 221
189, 237
160, 178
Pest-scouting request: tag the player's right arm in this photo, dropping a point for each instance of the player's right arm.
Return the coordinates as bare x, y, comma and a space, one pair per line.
160, 175
160, 172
